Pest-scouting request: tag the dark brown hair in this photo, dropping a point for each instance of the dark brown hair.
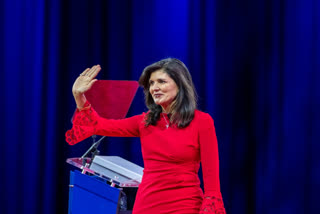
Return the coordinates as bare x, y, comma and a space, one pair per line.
185, 103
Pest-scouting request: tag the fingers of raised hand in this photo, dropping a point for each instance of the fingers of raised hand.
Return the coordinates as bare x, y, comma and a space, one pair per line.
85, 72
91, 72
94, 71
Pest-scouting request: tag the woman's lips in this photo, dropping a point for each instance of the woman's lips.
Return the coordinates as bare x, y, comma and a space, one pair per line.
157, 95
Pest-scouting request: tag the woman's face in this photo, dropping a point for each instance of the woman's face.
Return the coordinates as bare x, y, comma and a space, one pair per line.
163, 89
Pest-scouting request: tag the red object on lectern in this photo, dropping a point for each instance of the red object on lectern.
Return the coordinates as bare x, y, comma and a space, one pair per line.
111, 99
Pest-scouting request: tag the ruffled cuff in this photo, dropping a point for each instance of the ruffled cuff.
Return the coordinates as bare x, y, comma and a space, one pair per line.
212, 204
84, 122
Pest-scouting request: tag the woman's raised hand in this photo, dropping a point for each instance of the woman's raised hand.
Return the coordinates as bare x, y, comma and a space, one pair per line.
83, 83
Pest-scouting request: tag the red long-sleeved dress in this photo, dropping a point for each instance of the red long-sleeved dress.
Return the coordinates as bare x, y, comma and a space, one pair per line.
170, 182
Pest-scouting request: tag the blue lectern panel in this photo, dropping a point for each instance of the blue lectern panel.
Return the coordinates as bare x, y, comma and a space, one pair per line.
90, 195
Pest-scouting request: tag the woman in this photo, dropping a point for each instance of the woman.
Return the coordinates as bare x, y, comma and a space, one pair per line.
175, 138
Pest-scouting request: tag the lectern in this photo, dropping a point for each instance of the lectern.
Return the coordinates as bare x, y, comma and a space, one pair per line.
105, 184
108, 186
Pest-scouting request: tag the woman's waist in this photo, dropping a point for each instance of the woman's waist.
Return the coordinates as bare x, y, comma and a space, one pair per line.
157, 166
171, 172
170, 179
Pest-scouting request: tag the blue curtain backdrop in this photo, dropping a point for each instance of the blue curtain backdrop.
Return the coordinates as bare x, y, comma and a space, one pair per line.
255, 64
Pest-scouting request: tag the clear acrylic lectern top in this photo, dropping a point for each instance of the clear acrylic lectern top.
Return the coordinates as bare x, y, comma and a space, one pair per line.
114, 169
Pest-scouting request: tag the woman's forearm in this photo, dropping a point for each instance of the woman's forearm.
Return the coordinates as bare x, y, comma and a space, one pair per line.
80, 99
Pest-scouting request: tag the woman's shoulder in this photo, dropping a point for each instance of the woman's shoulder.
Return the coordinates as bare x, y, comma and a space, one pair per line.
203, 118
201, 115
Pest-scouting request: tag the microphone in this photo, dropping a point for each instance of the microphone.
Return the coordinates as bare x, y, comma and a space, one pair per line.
93, 150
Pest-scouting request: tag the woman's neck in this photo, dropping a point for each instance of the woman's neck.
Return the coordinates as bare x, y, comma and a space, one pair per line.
166, 109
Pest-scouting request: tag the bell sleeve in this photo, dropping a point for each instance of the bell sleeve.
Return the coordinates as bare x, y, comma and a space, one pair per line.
212, 200
87, 122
